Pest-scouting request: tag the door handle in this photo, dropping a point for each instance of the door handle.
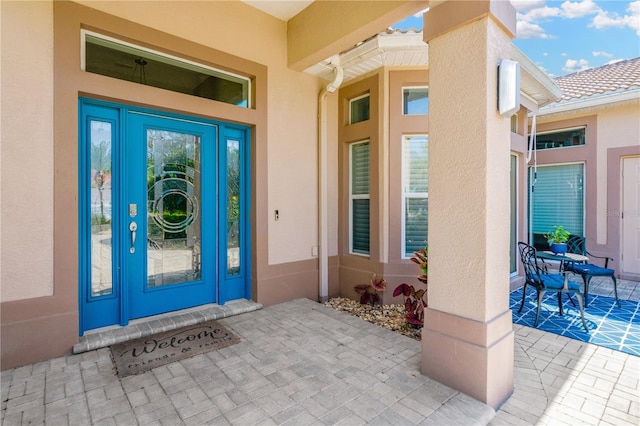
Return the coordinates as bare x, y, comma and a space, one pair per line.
133, 227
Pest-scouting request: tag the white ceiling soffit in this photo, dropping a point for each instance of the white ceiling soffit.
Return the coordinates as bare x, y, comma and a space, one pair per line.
281, 9
533, 81
402, 48
406, 48
388, 48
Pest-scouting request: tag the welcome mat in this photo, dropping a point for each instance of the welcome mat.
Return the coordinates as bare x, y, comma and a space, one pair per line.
610, 326
143, 354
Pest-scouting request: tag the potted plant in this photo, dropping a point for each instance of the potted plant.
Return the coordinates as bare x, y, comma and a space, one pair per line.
557, 239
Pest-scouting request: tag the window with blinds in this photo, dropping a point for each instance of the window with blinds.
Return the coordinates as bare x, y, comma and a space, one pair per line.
557, 199
359, 198
415, 192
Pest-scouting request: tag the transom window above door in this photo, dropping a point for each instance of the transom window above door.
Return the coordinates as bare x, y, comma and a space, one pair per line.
125, 61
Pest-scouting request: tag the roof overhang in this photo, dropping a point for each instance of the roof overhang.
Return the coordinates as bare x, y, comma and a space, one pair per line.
534, 83
406, 48
391, 48
592, 103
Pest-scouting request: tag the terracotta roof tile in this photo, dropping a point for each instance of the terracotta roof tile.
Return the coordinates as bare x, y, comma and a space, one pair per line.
615, 77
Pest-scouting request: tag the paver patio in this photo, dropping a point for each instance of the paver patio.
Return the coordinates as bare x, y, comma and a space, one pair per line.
303, 363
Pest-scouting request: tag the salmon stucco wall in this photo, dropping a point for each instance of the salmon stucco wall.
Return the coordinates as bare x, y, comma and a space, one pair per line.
611, 133
40, 148
617, 128
26, 151
292, 101
454, 171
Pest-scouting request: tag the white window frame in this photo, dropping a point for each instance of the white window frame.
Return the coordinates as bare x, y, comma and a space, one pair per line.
406, 195
188, 64
353, 197
357, 98
584, 193
516, 213
404, 113
514, 123
564, 129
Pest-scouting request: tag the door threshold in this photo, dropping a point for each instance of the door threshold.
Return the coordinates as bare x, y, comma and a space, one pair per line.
107, 336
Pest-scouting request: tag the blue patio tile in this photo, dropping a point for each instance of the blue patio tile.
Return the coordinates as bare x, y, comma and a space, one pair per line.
609, 326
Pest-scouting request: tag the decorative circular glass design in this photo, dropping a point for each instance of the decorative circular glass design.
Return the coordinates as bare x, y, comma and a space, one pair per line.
172, 192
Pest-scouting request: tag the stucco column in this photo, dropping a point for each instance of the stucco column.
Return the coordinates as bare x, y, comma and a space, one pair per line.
467, 340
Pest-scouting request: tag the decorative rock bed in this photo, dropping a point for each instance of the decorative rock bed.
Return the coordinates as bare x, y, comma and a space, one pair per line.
388, 316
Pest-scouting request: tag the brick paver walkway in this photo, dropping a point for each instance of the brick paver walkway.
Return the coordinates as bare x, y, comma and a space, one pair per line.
303, 363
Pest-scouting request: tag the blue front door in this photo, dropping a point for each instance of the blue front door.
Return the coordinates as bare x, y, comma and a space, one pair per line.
169, 187
163, 213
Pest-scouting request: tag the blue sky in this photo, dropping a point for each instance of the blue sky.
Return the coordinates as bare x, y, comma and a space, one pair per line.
563, 37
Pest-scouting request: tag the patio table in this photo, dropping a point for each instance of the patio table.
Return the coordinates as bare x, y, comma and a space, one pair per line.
562, 258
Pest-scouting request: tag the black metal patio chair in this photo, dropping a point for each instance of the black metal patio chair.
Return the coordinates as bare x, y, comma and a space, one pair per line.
577, 245
543, 282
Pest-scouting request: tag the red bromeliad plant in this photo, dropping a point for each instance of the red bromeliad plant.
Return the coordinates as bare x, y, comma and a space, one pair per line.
369, 292
414, 300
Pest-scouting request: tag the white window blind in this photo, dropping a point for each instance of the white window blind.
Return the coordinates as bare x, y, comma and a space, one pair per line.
558, 199
359, 194
415, 192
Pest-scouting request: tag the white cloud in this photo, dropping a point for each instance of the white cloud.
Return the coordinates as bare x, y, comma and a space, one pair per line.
606, 19
613, 61
579, 9
573, 65
601, 53
527, 5
563, 54
545, 53
532, 13
540, 13
527, 30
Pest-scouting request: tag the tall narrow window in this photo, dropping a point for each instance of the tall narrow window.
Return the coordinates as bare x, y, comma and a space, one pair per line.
415, 192
100, 140
359, 109
514, 123
359, 198
233, 207
415, 100
557, 199
513, 255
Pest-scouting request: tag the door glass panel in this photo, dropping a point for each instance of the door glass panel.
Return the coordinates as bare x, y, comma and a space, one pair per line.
233, 207
101, 232
173, 208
